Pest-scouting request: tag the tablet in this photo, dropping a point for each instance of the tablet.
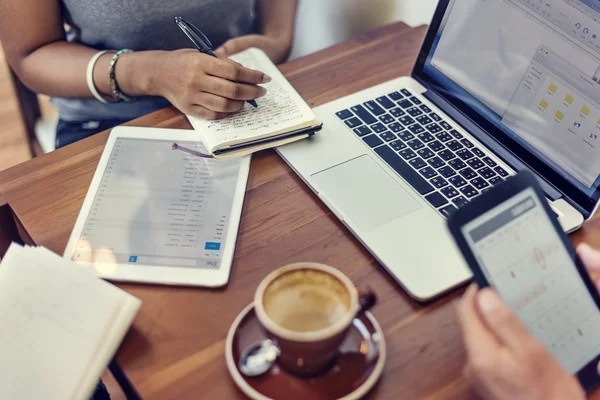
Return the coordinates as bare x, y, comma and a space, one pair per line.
513, 242
157, 213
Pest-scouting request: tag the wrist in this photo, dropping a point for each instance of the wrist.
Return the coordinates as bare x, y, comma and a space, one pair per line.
281, 37
135, 73
283, 43
138, 73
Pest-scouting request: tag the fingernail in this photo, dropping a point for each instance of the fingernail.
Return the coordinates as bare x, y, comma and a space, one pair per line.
589, 256
488, 301
266, 78
262, 92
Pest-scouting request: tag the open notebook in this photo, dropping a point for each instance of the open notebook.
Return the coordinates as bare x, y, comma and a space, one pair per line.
61, 325
282, 116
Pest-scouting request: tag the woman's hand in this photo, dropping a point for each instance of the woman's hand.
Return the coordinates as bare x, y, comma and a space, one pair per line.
276, 48
204, 86
504, 362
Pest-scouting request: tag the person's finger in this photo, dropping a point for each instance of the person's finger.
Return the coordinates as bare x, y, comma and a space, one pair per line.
218, 103
235, 72
478, 340
204, 113
502, 321
596, 283
589, 256
467, 372
233, 90
223, 50
220, 52
234, 46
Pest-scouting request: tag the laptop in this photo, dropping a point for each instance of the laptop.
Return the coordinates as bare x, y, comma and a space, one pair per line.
499, 86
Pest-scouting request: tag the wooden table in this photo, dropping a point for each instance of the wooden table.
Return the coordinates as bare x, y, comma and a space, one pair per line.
175, 349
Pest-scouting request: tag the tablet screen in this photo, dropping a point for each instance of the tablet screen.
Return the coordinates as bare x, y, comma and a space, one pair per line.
156, 205
523, 258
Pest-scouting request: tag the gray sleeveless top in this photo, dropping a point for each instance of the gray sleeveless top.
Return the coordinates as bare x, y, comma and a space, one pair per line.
145, 25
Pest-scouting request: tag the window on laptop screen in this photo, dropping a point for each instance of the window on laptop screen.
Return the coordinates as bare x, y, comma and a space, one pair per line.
532, 68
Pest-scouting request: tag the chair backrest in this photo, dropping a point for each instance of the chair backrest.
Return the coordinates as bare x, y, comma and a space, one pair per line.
29, 107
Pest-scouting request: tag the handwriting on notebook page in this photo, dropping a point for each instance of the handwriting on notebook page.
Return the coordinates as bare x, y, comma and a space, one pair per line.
276, 109
279, 109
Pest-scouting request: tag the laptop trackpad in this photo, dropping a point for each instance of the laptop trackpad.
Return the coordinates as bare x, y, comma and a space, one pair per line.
365, 193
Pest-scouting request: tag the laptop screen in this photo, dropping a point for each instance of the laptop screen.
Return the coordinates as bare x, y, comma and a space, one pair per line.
531, 68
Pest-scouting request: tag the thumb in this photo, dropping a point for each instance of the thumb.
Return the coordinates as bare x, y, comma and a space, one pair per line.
220, 52
234, 46
501, 320
589, 256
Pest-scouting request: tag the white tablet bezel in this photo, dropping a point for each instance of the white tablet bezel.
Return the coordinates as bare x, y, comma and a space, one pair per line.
170, 275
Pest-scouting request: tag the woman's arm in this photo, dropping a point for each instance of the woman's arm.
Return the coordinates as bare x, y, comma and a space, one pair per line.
276, 19
276, 25
33, 39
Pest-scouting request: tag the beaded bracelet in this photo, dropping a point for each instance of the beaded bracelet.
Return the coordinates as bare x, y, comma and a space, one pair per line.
112, 80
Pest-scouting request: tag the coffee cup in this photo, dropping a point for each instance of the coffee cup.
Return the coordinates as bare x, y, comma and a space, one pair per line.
306, 309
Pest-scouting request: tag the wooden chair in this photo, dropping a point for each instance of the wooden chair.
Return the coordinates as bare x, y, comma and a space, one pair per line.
29, 107
8, 228
127, 387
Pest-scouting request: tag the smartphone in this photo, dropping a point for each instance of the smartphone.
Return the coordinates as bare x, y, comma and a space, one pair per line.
513, 242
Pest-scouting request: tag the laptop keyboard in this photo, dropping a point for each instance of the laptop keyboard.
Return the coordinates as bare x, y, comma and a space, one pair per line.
442, 165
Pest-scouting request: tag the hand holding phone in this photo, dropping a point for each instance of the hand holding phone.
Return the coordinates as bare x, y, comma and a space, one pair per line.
513, 244
504, 361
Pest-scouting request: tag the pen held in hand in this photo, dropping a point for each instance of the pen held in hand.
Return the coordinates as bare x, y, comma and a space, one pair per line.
200, 42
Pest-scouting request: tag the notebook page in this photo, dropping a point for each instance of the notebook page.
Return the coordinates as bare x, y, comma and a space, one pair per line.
111, 340
109, 347
280, 109
53, 322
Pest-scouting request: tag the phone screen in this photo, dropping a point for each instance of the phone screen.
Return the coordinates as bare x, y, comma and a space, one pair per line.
523, 258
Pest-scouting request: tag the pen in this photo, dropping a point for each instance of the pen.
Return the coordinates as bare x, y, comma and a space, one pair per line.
200, 42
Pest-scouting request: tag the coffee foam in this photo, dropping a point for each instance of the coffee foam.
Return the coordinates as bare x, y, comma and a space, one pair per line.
306, 300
